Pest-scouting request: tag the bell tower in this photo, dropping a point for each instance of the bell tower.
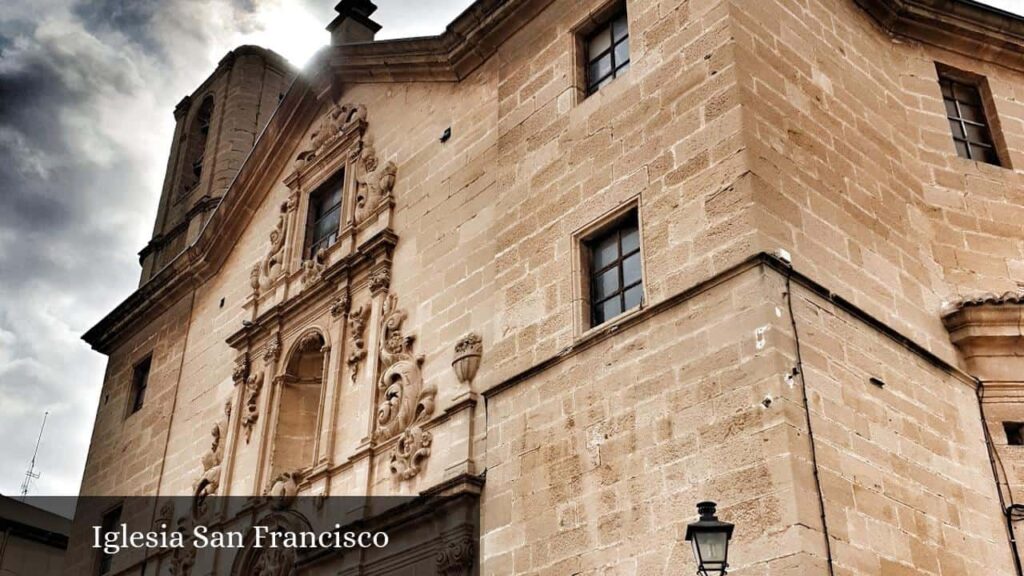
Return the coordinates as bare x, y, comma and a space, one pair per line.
215, 128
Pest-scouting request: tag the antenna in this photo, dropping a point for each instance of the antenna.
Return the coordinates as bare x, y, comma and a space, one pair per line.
31, 473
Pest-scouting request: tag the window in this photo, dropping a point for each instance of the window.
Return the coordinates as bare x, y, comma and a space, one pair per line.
324, 218
110, 523
965, 112
607, 52
1014, 433
140, 380
195, 145
616, 283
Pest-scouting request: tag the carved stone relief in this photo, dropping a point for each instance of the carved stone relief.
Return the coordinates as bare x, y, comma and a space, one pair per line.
456, 558
380, 281
338, 120
250, 403
278, 561
209, 480
283, 489
373, 184
406, 402
313, 269
357, 327
341, 305
273, 350
270, 266
241, 369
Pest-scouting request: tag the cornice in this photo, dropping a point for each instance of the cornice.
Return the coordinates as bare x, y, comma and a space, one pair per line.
963, 26
472, 38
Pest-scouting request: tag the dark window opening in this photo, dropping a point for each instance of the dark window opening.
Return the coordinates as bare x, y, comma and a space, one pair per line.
324, 219
965, 113
607, 51
195, 144
1014, 433
616, 283
140, 381
110, 523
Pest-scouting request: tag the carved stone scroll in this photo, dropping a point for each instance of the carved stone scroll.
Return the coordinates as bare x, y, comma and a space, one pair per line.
406, 402
209, 480
341, 305
270, 266
339, 120
357, 327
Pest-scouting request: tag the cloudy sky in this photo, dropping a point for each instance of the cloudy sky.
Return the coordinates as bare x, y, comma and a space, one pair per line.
87, 91
86, 94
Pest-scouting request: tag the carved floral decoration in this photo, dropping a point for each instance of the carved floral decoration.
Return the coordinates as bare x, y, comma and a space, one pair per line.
357, 327
341, 305
380, 280
273, 350
466, 362
406, 402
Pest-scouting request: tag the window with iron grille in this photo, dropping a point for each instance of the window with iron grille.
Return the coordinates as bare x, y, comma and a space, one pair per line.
616, 283
110, 523
140, 381
607, 51
324, 218
966, 115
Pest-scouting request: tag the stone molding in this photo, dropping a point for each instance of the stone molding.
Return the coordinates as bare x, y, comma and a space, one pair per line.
969, 28
988, 329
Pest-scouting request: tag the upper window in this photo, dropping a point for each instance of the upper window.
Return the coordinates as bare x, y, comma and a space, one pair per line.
195, 145
607, 50
109, 524
324, 219
616, 283
966, 114
140, 380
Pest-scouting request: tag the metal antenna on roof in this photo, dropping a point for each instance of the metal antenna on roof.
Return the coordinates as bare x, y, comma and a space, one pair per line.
31, 473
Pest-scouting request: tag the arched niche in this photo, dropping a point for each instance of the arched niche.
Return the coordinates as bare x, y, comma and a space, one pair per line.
195, 145
298, 409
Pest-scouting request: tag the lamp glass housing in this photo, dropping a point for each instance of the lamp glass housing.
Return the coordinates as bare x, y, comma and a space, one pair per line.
710, 540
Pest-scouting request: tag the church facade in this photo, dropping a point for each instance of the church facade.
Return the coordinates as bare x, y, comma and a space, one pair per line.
573, 266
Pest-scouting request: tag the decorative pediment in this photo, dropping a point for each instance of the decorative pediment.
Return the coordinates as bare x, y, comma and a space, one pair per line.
340, 128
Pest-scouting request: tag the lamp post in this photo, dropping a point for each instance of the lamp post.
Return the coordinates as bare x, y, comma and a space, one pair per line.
710, 539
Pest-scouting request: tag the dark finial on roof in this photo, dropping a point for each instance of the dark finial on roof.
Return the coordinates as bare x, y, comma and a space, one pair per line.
353, 23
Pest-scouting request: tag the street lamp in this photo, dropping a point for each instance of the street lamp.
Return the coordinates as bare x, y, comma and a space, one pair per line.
710, 540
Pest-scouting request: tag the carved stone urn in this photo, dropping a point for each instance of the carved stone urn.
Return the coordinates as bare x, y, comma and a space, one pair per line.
468, 351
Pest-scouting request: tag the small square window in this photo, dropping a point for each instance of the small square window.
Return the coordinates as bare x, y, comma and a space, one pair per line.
1014, 433
140, 381
614, 269
606, 52
110, 523
324, 217
968, 123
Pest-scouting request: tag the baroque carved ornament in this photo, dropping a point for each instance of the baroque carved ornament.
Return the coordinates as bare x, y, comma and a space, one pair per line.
373, 184
356, 328
406, 402
466, 362
209, 480
272, 263
250, 403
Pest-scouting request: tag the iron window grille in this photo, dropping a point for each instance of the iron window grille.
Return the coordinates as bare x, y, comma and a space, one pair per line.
616, 283
324, 218
607, 53
966, 115
140, 381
